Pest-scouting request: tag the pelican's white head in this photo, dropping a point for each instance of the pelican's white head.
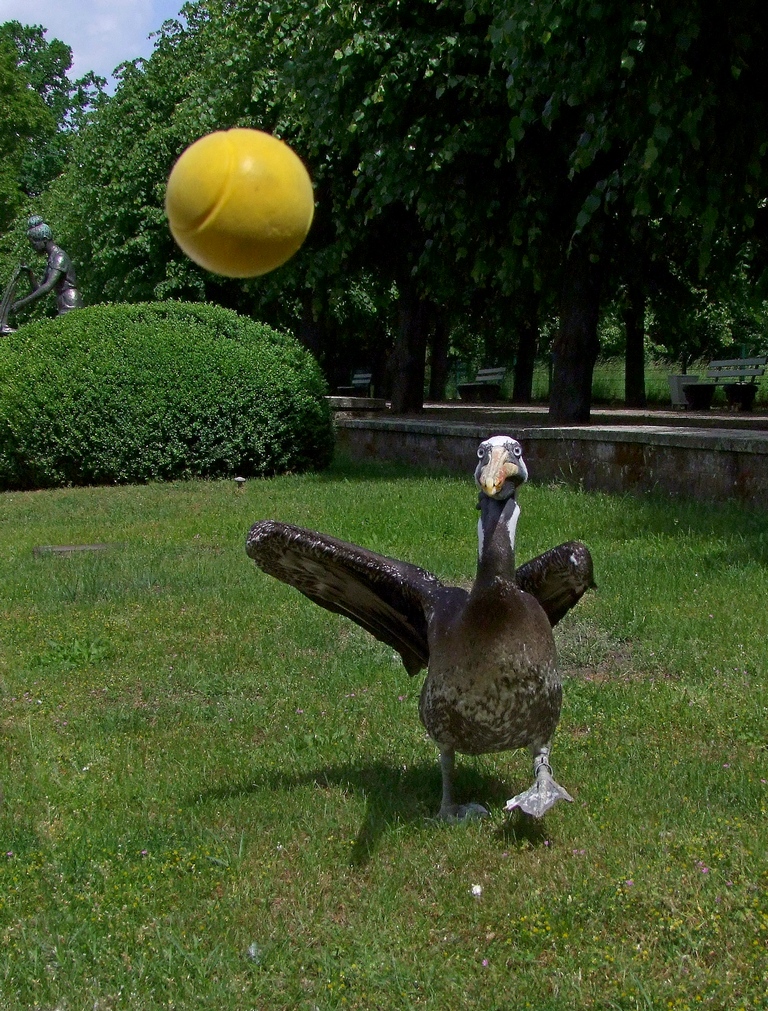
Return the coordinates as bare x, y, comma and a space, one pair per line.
500, 468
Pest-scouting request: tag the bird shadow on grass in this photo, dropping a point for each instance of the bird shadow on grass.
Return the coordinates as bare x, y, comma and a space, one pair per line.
393, 796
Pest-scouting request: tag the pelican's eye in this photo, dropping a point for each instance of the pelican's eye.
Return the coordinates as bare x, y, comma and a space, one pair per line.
481, 452
517, 451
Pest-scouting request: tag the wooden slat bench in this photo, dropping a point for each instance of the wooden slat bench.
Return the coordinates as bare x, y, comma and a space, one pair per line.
359, 385
486, 388
737, 376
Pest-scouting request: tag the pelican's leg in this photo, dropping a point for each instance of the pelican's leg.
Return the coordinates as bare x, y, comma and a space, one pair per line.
450, 811
545, 792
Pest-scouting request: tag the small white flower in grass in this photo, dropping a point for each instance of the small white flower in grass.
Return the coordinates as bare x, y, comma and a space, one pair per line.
477, 890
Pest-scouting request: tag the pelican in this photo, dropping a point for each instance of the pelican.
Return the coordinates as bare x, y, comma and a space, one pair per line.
492, 680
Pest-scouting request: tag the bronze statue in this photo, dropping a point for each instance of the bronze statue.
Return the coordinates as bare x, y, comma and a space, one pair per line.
59, 275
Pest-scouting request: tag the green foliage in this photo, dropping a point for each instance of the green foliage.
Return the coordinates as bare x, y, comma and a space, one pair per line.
690, 327
661, 109
24, 117
137, 393
458, 147
45, 65
211, 73
402, 131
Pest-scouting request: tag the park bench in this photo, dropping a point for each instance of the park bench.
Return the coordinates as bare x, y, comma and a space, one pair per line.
737, 376
360, 385
677, 385
485, 388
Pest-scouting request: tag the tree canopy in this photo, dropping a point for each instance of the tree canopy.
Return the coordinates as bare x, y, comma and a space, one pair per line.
44, 65
491, 158
652, 118
24, 118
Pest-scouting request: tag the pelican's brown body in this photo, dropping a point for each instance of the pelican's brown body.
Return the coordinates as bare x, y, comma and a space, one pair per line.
492, 682
483, 692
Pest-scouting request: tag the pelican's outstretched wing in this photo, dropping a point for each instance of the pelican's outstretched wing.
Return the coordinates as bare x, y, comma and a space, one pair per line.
559, 578
388, 598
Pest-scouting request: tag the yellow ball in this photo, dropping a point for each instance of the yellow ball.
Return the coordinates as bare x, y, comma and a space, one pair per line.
239, 202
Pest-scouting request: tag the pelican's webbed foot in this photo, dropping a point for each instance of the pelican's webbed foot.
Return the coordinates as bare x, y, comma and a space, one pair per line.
545, 792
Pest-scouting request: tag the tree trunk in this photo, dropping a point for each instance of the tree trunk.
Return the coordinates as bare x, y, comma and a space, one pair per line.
379, 356
438, 361
408, 355
633, 313
317, 337
576, 347
528, 342
311, 332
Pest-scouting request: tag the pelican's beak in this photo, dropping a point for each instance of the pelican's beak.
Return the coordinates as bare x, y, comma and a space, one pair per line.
499, 468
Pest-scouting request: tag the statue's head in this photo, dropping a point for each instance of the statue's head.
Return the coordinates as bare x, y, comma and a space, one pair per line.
38, 232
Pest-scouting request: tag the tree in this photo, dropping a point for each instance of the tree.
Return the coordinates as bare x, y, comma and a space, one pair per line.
406, 138
45, 65
23, 117
643, 111
212, 73
633, 315
468, 155
400, 139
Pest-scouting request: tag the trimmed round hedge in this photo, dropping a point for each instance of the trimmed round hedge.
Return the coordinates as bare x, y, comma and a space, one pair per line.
157, 391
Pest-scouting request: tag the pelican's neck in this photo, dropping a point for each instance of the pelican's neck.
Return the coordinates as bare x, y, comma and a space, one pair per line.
496, 538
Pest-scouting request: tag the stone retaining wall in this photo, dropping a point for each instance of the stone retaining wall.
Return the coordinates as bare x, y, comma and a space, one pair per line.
707, 465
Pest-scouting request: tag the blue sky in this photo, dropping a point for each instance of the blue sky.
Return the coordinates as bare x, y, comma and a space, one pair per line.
101, 33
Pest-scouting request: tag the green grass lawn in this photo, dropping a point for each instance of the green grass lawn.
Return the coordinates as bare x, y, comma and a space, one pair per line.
217, 795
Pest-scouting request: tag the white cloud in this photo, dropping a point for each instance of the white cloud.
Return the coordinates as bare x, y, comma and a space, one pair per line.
101, 33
